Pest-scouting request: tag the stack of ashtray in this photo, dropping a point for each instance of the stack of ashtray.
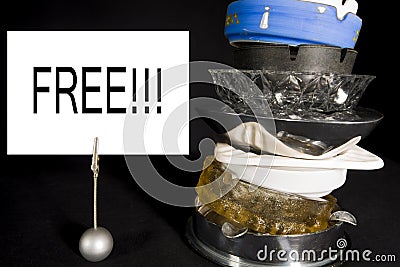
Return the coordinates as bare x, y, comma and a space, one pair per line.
291, 133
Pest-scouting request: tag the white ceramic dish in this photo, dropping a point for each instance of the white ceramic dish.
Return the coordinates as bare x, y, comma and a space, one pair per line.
308, 182
254, 134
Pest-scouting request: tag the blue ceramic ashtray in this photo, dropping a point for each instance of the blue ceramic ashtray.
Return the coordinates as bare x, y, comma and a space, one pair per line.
293, 22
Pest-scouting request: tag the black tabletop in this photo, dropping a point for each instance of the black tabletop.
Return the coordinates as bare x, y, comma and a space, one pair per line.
46, 205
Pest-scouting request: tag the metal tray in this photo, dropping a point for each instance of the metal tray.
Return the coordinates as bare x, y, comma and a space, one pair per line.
206, 238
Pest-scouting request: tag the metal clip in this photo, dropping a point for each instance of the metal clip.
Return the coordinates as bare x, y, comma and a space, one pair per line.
95, 158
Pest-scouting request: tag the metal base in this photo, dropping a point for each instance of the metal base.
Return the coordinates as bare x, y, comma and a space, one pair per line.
226, 259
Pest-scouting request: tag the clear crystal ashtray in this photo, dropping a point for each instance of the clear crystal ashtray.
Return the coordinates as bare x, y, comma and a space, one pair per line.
248, 91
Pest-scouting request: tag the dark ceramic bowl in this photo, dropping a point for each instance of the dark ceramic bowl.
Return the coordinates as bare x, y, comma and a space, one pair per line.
333, 132
302, 58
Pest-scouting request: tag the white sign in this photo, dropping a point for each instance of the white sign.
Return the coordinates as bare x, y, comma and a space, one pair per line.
66, 87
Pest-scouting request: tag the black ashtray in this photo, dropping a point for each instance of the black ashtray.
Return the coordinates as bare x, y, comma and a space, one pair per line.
302, 58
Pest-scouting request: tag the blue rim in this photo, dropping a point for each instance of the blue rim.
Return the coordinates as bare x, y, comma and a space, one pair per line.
291, 22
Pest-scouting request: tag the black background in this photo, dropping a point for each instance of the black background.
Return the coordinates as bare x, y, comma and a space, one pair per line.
45, 201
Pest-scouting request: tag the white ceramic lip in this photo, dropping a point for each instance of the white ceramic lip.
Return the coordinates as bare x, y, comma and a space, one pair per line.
350, 6
255, 135
353, 159
307, 182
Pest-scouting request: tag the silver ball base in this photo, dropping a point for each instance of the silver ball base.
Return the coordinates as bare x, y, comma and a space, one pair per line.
96, 244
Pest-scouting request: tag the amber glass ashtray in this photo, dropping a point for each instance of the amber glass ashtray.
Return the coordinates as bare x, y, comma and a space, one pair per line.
236, 224
259, 209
